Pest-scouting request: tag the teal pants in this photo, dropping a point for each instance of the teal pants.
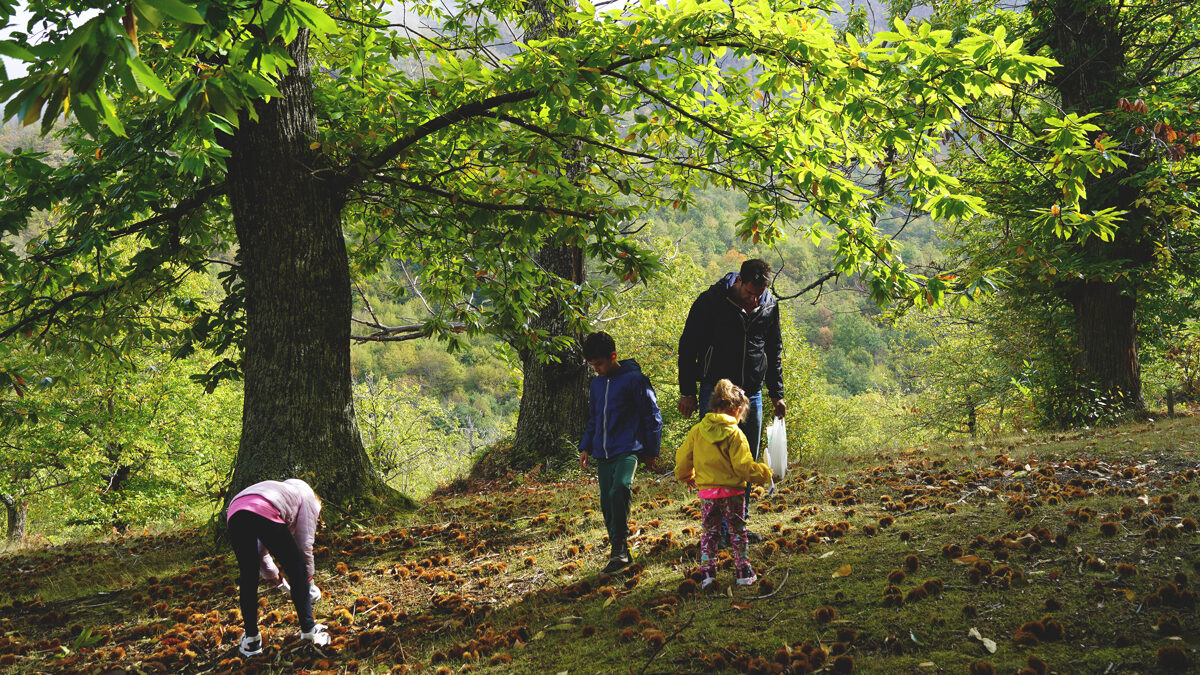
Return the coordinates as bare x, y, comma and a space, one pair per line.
616, 478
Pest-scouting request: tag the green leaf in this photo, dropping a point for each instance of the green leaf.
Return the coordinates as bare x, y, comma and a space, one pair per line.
148, 78
261, 86
110, 114
13, 50
278, 21
312, 15
178, 11
148, 12
85, 107
218, 100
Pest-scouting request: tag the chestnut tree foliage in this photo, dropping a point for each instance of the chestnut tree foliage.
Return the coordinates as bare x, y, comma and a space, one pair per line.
1107, 251
289, 146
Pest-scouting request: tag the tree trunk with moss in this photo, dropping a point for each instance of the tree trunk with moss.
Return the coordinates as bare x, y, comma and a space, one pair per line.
298, 418
18, 513
1088, 39
554, 399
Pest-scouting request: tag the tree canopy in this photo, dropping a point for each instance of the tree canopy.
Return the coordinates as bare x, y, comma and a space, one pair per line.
289, 145
1121, 268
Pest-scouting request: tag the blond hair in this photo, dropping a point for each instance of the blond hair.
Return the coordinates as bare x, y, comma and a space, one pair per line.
729, 398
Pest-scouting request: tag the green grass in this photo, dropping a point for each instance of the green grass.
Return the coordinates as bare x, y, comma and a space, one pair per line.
502, 576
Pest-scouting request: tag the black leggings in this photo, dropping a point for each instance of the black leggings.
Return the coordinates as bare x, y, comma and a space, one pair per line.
246, 529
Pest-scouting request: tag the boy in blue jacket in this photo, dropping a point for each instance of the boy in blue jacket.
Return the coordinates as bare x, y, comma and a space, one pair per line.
624, 425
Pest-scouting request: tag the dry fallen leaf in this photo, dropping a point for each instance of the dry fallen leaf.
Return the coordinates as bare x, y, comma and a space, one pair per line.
738, 604
989, 645
843, 571
967, 559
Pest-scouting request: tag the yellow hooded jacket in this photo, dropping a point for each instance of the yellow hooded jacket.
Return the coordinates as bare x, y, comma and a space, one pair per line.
716, 453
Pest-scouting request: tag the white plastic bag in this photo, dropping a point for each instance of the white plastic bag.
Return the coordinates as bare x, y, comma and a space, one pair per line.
777, 455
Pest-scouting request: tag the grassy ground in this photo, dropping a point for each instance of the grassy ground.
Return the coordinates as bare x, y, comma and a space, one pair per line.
1066, 553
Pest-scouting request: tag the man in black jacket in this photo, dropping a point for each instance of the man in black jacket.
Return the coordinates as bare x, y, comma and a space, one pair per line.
732, 332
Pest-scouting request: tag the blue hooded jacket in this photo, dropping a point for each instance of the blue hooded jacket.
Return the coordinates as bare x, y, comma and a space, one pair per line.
623, 415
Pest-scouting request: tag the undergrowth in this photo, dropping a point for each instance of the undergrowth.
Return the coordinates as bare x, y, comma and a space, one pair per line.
1071, 552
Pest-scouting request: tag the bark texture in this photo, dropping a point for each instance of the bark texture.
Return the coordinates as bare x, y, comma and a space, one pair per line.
18, 512
1106, 326
298, 417
554, 398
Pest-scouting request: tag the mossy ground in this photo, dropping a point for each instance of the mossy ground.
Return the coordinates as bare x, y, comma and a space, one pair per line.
1094, 531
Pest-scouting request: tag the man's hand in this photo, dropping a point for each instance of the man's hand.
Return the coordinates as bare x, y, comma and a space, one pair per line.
583, 460
651, 463
688, 405
780, 406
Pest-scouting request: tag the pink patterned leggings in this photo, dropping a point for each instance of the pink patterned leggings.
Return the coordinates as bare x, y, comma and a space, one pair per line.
712, 512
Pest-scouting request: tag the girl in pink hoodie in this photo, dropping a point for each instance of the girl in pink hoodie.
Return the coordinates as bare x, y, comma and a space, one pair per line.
279, 519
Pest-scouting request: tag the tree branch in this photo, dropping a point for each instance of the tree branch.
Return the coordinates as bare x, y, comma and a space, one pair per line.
460, 114
412, 331
488, 206
819, 282
53, 309
186, 205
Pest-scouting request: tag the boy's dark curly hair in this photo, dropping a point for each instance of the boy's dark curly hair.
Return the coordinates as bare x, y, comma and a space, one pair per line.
598, 345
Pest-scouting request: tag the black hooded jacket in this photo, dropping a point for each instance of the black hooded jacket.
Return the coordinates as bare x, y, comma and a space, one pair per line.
721, 341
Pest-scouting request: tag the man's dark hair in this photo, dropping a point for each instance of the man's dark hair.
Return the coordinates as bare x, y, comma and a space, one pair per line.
598, 345
756, 272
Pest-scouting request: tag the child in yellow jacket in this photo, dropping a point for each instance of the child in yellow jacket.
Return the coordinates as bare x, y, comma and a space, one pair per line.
715, 457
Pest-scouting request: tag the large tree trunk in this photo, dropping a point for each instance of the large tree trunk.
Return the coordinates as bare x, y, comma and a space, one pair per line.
1106, 327
554, 397
1086, 39
298, 416
18, 513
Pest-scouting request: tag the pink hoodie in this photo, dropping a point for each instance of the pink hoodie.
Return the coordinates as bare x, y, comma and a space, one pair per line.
299, 507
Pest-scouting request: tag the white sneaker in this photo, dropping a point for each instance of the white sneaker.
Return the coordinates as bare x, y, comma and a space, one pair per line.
747, 580
319, 635
746, 576
250, 646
